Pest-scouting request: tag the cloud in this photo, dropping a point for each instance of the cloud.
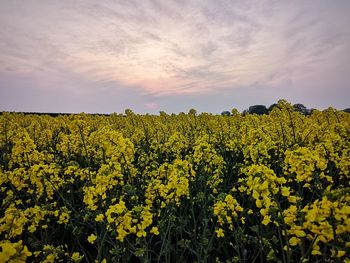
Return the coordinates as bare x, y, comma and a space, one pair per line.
151, 105
160, 49
131, 44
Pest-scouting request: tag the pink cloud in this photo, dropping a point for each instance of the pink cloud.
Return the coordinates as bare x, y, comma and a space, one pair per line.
151, 105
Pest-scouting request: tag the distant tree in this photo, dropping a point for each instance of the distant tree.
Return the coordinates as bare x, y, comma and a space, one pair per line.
234, 112
226, 113
163, 113
313, 110
301, 108
347, 110
330, 110
129, 112
192, 112
272, 106
258, 109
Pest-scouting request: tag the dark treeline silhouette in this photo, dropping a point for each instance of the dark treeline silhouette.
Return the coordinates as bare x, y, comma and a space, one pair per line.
262, 109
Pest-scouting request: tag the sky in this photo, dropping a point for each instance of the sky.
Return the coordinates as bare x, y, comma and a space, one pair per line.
150, 56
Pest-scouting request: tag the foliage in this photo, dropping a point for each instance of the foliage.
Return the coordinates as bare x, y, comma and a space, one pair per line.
258, 109
184, 188
226, 113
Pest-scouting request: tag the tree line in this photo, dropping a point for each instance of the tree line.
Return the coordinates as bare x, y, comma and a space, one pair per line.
262, 109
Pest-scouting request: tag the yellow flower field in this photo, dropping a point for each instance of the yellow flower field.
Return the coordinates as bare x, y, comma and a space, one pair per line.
175, 188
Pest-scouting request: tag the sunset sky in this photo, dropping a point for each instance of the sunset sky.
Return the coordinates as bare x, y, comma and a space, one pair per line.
106, 56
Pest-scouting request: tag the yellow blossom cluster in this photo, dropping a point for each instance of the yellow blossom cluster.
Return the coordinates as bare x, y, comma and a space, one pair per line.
13, 252
226, 212
190, 187
323, 222
262, 184
127, 222
169, 183
306, 164
207, 161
